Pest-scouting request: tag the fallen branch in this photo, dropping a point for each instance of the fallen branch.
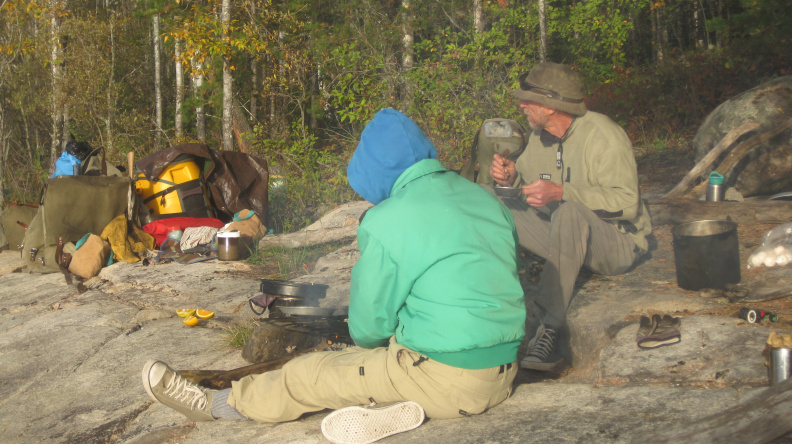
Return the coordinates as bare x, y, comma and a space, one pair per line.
711, 157
221, 379
740, 151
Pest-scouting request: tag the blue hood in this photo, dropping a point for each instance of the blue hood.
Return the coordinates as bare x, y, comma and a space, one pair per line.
389, 145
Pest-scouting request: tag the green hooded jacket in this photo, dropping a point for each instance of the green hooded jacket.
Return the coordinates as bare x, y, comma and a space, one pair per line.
438, 265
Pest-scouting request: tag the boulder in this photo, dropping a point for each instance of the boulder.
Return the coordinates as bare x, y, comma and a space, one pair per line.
767, 168
274, 340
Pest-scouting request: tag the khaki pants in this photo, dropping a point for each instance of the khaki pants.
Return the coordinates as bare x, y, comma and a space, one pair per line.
337, 379
568, 238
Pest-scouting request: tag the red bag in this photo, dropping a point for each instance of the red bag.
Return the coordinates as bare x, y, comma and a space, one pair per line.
160, 228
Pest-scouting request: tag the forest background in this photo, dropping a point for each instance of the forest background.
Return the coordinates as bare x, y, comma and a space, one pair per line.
296, 80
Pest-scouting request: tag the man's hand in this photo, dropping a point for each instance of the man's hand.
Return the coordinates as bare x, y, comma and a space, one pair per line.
542, 192
503, 170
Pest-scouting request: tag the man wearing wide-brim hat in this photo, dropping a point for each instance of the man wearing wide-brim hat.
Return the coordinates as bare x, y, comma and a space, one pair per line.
580, 203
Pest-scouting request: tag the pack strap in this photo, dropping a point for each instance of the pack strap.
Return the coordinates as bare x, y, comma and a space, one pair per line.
188, 189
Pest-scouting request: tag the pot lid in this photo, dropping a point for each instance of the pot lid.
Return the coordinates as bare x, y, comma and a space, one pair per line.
288, 288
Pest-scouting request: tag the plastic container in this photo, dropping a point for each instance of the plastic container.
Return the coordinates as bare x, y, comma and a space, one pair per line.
228, 245
178, 191
175, 233
715, 188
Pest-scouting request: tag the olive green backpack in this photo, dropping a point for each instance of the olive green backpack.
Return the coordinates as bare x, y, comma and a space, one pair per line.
502, 136
69, 208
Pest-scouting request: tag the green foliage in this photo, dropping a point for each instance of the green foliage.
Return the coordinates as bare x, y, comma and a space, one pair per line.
235, 335
462, 81
670, 101
295, 262
304, 180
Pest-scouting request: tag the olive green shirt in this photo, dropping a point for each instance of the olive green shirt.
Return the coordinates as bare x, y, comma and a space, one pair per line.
594, 162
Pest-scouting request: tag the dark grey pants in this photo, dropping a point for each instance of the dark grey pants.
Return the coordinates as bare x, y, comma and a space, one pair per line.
569, 237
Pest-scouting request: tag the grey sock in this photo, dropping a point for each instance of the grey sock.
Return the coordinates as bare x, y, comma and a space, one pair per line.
221, 409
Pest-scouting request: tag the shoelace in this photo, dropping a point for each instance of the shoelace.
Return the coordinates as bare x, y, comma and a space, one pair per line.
542, 345
182, 390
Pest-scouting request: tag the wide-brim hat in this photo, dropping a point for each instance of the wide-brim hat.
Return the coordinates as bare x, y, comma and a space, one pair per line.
554, 85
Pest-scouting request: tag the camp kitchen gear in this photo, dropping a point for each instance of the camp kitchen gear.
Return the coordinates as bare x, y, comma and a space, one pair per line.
511, 192
307, 311
297, 289
180, 190
277, 294
715, 187
228, 245
706, 254
780, 365
753, 315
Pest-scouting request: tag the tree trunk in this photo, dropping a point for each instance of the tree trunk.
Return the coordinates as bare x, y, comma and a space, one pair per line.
540, 6
478, 16
200, 112
56, 63
242, 131
228, 104
658, 36
407, 46
254, 90
178, 117
155, 20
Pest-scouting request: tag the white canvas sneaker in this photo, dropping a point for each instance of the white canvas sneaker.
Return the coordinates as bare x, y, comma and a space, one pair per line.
360, 425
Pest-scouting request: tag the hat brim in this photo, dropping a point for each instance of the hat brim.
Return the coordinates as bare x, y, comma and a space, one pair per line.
576, 109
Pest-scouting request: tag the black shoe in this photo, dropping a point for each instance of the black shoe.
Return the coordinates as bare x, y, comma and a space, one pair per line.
540, 351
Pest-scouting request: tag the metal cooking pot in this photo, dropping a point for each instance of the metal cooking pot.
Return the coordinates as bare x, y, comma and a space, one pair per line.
297, 289
706, 254
307, 311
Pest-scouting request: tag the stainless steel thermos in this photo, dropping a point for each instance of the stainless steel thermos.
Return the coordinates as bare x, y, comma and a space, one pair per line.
715, 187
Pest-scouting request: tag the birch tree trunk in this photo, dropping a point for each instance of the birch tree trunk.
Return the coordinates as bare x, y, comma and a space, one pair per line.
56, 56
478, 16
407, 46
200, 112
155, 20
179, 70
228, 110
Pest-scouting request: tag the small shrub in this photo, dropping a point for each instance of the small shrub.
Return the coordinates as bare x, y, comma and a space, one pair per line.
237, 334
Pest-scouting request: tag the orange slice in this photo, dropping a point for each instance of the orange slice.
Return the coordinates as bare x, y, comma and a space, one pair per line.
184, 312
191, 321
204, 314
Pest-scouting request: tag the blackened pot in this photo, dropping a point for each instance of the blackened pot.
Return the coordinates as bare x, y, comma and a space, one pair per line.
706, 254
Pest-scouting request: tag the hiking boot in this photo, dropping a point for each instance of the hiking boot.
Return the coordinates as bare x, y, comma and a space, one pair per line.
540, 349
368, 424
165, 385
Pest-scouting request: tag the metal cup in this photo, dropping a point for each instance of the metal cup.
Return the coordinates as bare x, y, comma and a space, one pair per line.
780, 365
